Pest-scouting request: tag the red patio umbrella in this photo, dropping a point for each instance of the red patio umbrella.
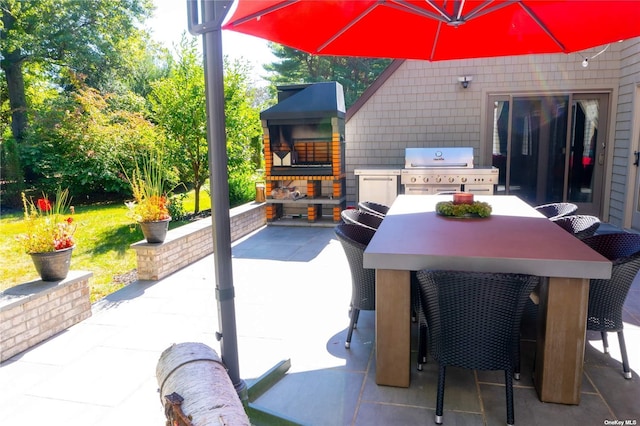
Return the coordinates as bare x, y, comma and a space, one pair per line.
437, 29
406, 29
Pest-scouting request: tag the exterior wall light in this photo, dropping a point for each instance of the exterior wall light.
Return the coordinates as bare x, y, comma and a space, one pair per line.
465, 80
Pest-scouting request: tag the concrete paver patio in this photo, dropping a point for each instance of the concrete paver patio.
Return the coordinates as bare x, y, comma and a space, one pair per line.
292, 294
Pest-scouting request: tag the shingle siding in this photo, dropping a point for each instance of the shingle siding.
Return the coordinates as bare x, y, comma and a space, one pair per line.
629, 77
422, 104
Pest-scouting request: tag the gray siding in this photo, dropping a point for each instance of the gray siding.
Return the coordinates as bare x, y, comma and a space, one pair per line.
422, 103
621, 194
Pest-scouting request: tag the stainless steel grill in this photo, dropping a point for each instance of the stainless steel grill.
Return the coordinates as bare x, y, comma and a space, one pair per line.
435, 170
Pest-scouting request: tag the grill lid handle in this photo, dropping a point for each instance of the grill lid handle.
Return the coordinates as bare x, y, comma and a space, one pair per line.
442, 166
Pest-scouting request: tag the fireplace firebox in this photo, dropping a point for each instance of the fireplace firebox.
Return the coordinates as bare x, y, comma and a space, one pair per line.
304, 153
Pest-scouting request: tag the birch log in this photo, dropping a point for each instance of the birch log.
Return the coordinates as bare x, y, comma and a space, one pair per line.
196, 373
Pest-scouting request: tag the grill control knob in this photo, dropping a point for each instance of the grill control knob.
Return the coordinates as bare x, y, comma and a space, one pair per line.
464, 179
425, 180
413, 179
438, 179
451, 180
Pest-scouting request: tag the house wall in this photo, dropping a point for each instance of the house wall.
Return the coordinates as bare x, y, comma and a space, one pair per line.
422, 103
624, 174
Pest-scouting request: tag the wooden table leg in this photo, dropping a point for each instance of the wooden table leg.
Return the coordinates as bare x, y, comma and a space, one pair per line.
393, 327
561, 335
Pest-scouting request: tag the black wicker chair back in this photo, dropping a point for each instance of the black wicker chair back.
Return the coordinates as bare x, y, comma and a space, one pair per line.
556, 210
474, 322
354, 240
581, 226
373, 208
421, 319
607, 297
359, 217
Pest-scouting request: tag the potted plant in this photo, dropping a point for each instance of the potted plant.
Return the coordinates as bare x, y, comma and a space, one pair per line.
48, 238
150, 205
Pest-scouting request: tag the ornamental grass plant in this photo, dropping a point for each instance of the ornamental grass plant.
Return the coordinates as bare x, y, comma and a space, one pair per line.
48, 227
150, 202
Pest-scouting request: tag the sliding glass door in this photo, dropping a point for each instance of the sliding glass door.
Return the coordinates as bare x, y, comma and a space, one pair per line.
550, 148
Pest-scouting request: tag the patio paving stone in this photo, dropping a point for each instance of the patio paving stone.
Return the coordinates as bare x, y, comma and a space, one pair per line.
292, 288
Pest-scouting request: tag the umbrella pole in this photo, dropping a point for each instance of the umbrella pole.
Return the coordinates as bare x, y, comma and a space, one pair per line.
214, 13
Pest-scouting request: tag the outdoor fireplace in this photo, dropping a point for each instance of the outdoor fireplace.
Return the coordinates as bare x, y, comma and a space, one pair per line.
301, 149
304, 152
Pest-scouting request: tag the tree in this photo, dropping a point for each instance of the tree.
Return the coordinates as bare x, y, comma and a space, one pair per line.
58, 34
51, 38
82, 140
178, 104
243, 130
145, 62
296, 66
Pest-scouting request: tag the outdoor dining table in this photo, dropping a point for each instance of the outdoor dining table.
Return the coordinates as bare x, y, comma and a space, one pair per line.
515, 238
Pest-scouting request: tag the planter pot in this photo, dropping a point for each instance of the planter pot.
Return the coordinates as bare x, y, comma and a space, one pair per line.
155, 232
54, 265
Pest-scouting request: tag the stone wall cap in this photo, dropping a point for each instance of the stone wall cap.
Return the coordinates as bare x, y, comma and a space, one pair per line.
32, 289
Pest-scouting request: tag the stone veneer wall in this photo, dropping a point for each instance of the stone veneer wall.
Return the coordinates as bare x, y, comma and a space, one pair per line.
189, 243
34, 311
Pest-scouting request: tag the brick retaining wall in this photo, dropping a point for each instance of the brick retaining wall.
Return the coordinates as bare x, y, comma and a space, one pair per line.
191, 242
34, 311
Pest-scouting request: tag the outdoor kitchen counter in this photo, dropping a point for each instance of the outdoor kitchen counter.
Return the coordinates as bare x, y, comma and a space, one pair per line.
514, 239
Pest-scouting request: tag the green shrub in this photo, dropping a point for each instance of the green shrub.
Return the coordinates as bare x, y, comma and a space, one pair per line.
176, 206
241, 190
78, 140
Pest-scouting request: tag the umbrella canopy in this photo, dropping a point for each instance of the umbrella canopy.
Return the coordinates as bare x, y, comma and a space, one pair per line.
406, 29
437, 29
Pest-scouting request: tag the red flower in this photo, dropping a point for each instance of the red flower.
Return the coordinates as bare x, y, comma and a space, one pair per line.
69, 220
44, 205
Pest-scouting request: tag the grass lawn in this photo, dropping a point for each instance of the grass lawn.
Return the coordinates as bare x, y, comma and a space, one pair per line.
103, 236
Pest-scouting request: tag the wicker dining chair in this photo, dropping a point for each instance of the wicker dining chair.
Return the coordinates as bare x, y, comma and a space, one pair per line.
581, 226
372, 207
473, 322
556, 210
362, 218
607, 297
354, 240
418, 315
